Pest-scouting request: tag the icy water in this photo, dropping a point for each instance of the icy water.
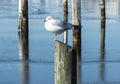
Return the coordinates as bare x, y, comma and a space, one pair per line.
95, 67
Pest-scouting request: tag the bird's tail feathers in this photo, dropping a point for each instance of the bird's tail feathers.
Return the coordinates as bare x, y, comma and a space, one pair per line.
69, 26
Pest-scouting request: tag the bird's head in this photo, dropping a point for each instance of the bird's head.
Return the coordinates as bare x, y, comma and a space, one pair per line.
48, 18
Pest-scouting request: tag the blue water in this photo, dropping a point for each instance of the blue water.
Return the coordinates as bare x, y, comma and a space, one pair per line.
40, 68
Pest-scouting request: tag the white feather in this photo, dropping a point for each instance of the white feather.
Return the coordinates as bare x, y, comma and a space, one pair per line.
56, 26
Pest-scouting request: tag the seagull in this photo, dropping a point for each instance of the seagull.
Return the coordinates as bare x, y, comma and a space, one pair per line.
56, 26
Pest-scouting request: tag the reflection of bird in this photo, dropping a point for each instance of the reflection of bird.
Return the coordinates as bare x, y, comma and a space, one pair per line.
56, 26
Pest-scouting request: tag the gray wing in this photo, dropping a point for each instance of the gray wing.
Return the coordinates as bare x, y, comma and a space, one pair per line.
63, 24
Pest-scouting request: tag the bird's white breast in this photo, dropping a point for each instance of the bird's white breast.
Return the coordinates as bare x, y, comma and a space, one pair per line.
51, 26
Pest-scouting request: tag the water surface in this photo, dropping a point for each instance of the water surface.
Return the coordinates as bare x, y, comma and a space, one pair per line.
95, 67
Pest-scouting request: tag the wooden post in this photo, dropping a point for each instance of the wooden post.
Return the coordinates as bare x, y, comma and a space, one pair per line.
103, 22
102, 49
19, 15
76, 4
23, 25
77, 25
19, 8
23, 45
65, 66
76, 21
65, 4
102, 40
23, 15
102, 6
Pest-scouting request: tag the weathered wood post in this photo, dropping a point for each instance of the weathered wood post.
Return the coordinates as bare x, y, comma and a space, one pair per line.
23, 15
103, 22
23, 26
23, 45
102, 48
76, 4
65, 63
65, 6
76, 21
19, 14
102, 39
102, 6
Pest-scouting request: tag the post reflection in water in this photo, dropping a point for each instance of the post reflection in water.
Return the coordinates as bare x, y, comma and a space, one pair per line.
25, 72
23, 45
